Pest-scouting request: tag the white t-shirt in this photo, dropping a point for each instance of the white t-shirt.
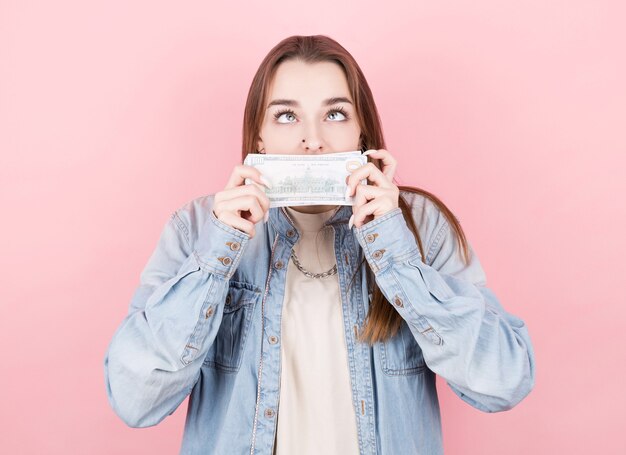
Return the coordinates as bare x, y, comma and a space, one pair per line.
315, 413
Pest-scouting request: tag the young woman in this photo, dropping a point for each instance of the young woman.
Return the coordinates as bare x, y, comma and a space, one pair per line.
314, 329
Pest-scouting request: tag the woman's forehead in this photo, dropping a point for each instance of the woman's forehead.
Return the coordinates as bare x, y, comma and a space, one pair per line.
308, 83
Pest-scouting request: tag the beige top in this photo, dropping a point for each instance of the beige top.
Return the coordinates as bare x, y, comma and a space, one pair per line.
315, 412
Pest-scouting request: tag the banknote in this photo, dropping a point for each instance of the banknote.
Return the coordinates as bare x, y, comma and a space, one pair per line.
306, 179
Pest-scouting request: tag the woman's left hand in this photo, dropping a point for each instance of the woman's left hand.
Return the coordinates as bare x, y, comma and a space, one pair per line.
373, 201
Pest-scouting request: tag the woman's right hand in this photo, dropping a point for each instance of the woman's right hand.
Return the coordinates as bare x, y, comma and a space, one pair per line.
242, 206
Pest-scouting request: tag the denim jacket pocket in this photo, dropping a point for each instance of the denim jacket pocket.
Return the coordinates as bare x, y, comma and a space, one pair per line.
226, 351
401, 354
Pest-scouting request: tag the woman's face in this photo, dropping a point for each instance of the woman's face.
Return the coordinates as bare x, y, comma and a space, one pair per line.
309, 101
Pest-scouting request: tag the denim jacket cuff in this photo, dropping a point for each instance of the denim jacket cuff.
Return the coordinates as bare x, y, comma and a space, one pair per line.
387, 239
220, 247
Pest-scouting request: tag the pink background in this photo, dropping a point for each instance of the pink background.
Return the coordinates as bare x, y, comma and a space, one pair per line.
113, 114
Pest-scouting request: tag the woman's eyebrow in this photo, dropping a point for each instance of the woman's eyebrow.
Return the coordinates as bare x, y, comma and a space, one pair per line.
294, 103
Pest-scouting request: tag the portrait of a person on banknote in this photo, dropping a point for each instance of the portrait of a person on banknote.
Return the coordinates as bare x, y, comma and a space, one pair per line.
308, 306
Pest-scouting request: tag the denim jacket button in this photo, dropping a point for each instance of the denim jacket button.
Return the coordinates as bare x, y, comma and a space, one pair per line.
398, 302
269, 413
273, 339
209, 313
369, 238
291, 233
235, 246
279, 264
225, 260
378, 254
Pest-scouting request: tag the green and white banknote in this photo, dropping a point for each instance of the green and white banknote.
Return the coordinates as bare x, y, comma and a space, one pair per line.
306, 179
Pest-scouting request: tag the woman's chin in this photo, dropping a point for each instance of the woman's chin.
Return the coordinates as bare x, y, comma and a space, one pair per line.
312, 208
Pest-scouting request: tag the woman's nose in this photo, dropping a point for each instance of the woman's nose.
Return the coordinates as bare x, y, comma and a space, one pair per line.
312, 143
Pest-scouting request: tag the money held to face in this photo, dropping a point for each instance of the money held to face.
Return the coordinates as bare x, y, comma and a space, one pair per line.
306, 179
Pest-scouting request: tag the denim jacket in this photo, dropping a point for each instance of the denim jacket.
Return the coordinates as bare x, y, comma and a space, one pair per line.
204, 322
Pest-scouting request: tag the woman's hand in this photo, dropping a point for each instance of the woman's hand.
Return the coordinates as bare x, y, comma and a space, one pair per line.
373, 201
242, 206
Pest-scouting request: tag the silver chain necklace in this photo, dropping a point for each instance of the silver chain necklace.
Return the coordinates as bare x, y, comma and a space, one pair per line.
330, 272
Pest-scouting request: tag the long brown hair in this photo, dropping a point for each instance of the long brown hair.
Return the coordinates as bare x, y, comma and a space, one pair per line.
383, 321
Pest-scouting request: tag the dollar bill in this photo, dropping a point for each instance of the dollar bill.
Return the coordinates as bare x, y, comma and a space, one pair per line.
306, 179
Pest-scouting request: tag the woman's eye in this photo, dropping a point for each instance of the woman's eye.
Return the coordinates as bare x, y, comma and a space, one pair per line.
282, 115
337, 113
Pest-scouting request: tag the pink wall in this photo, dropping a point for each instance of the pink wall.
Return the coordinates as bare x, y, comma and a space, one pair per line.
112, 114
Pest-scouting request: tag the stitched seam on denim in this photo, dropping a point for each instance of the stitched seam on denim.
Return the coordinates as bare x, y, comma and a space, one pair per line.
209, 268
411, 312
198, 322
423, 318
181, 226
345, 294
402, 257
420, 317
249, 313
219, 366
377, 221
364, 248
245, 285
244, 300
406, 256
241, 303
408, 308
435, 243
213, 269
242, 236
382, 267
361, 232
398, 371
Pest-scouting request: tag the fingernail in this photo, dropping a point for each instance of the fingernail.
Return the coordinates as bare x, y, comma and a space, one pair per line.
370, 152
266, 216
266, 182
350, 221
348, 192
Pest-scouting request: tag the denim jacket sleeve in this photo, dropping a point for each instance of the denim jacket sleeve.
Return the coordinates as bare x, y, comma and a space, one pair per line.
154, 358
483, 352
